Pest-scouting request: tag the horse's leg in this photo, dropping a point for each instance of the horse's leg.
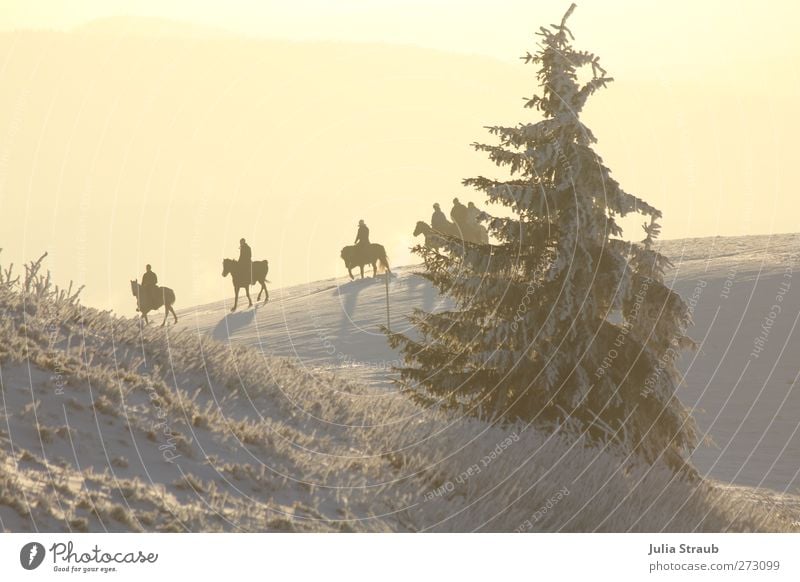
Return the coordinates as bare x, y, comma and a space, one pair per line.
362, 270
165, 305
262, 290
247, 290
236, 299
175, 315
350, 272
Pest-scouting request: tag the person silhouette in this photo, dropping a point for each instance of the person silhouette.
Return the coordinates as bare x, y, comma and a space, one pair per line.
474, 228
472, 213
459, 216
362, 236
439, 220
148, 287
245, 259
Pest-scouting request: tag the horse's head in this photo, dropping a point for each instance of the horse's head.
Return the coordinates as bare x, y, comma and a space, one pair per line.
421, 228
347, 256
135, 292
227, 266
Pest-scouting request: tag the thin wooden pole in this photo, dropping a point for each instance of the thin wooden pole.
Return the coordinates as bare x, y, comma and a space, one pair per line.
388, 321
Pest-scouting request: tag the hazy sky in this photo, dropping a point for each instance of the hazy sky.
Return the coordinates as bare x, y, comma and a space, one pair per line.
122, 148
629, 34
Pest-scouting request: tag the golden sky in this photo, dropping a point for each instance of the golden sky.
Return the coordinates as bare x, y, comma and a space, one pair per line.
131, 140
638, 34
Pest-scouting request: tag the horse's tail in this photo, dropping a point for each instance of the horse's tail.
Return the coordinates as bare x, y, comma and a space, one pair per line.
169, 296
383, 260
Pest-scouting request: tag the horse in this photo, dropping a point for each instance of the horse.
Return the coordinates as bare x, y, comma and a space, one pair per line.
475, 232
259, 275
164, 296
360, 255
433, 237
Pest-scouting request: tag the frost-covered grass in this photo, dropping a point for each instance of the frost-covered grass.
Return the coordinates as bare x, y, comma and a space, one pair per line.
108, 425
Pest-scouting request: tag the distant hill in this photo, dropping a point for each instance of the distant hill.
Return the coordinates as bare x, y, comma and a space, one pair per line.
149, 26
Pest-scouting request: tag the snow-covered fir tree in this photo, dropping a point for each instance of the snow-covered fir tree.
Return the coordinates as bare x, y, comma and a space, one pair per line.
559, 322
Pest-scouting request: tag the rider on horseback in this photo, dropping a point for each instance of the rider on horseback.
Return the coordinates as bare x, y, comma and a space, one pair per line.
439, 220
148, 288
245, 259
476, 232
459, 216
362, 237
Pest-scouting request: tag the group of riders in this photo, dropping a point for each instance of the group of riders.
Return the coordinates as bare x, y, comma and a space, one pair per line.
465, 225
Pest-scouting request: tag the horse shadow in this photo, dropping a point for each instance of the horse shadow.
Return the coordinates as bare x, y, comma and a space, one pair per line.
233, 322
424, 291
348, 296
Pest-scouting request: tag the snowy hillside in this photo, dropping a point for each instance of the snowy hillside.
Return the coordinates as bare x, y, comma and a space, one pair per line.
326, 325
743, 380
747, 405
108, 425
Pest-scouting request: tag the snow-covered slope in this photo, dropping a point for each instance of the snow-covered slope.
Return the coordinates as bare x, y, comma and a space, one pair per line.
743, 379
109, 425
747, 404
333, 324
